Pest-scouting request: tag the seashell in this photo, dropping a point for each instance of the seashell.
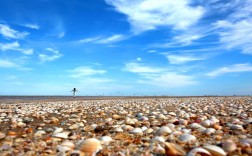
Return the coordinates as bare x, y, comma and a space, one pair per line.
127, 128
12, 134
57, 130
21, 124
195, 126
39, 133
105, 140
186, 130
236, 127
143, 118
229, 146
164, 130
90, 146
174, 149
209, 131
217, 126
2, 135
144, 128
74, 126
161, 116
159, 150
187, 138
137, 131
206, 123
116, 117
158, 139
70, 145
108, 120
88, 128
76, 153
148, 131
29, 130
183, 122
215, 150
61, 135
172, 114
118, 130
200, 151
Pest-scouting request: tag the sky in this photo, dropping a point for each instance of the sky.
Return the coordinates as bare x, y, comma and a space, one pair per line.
126, 47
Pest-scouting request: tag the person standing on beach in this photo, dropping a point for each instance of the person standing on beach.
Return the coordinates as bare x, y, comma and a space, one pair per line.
74, 92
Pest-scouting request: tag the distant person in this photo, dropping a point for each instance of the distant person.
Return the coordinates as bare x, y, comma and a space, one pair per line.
74, 92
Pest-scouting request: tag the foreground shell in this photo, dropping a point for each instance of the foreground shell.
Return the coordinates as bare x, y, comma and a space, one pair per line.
198, 151
173, 149
215, 150
90, 146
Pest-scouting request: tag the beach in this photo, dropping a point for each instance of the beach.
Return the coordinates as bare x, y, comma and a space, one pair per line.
126, 126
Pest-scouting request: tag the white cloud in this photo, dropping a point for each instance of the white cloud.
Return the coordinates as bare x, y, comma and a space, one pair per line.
16, 47
111, 39
236, 68
181, 59
61, 34
159, 76
146, 15
32, 26
139, 59
84, 71
236, 30
103, 40
236, 34
51, 57
7, 32
151, 51
7, 64
139, 68
187, 39
169, 79
10, 64
91, 39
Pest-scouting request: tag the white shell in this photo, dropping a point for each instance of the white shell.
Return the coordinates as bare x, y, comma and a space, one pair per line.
105, 139
215, 150
187, 138
60, 135
136, 131
198, 150
164, 130
209, 131
158, 139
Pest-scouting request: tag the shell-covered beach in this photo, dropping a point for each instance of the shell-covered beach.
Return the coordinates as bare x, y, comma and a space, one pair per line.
207, 126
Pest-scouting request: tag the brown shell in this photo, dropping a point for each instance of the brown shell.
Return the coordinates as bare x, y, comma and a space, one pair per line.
90, 145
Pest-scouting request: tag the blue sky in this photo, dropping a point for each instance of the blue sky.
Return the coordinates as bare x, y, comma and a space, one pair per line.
129, 47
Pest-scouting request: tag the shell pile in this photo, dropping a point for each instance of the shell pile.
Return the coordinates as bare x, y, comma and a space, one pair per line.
209, 126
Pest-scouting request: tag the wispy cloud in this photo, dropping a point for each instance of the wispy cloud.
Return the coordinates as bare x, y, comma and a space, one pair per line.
104, 40
146, 15
32, 26
236, 68
7, 64
91, 39
140, 68
4, 63
235, 31
7, 32
159, 76
16, 47
61, 34
85, 71
50, 57
181, 59
88, 75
